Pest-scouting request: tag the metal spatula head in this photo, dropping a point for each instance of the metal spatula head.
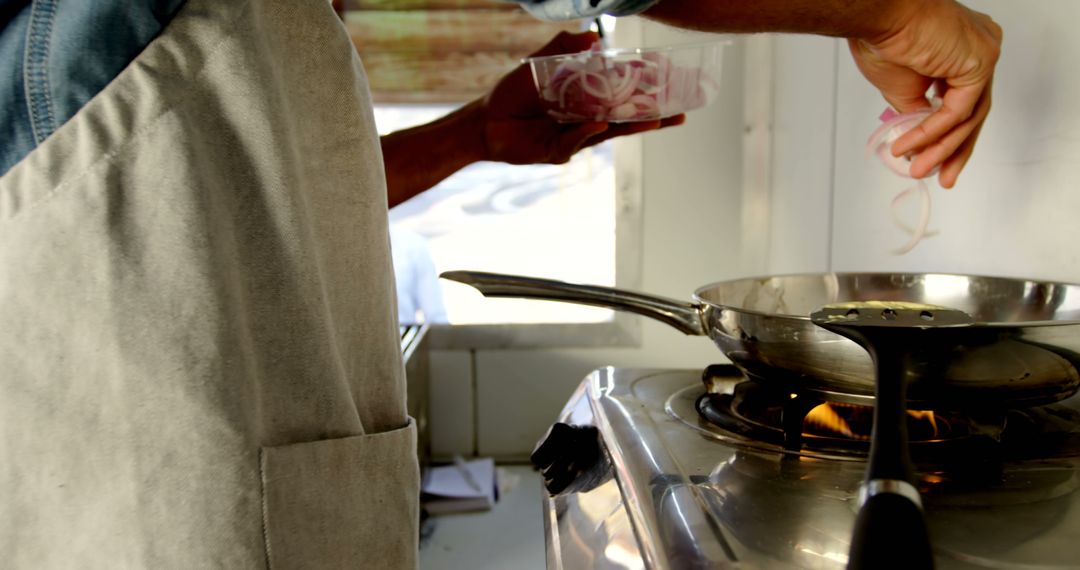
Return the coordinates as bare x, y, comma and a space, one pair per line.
889, 314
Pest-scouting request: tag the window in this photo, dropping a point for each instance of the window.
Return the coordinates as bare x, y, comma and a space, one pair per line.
556, 221
441, 51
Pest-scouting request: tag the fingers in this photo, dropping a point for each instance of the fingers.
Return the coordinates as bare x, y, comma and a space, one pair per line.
958, 105
950, 171
673, 121
615, 130
952, 166
952, 148
573, 139
623, 129
584, 135
515, 95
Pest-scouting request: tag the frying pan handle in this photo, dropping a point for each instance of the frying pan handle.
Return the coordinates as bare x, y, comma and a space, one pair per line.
890, 532
683, 316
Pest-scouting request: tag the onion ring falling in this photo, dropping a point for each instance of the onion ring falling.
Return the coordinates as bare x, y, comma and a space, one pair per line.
920, 230
880, 144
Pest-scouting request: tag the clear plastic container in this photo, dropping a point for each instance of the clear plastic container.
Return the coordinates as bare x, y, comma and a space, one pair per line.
628, 85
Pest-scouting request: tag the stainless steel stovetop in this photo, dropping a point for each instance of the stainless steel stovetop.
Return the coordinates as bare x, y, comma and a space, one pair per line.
680, 493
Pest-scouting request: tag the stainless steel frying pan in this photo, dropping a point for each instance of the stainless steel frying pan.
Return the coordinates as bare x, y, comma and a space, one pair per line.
1024, 348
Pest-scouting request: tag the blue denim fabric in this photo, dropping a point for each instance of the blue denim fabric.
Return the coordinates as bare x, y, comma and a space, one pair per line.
581, 9
16, 132
57, 55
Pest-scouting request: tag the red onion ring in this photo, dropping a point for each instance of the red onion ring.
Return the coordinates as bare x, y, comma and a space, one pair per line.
919, 232
602, 88
880, 144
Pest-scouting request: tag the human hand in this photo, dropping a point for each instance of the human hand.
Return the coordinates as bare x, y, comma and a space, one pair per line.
943, 44
517, 130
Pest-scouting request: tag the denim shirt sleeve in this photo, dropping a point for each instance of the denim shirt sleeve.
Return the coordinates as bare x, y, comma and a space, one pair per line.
57, 55
581, 9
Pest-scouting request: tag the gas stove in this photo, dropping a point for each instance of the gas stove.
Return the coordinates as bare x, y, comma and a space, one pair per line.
680, 469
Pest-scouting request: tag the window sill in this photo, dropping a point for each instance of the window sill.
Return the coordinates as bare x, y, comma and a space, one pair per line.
622, 331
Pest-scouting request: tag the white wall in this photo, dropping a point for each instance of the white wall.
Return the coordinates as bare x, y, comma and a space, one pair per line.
691, 190
804, 115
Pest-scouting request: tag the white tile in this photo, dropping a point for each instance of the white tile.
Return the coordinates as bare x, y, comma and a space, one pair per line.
451, 405
520, 394
509, 536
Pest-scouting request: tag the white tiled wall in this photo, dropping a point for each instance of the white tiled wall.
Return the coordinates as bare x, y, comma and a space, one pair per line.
804, 113
452, 411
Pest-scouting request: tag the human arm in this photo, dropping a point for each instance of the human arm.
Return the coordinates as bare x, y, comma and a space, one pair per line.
903, 47
506, 125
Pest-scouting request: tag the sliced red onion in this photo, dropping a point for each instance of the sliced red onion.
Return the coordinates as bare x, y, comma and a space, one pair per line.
893, 126
919, 232
600, 88
887, 114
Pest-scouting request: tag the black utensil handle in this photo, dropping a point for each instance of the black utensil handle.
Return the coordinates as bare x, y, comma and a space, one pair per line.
890, 532
890, 455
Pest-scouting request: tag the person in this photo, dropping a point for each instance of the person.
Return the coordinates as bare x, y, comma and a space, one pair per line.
419, 293
903, 47
200, 360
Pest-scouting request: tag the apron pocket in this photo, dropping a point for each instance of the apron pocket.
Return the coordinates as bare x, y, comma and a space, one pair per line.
351, 502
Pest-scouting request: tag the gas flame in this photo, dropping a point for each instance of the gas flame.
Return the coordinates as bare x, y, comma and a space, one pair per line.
824, 419
927, 416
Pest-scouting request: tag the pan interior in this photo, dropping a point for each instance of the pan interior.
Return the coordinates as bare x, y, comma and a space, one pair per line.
986, 299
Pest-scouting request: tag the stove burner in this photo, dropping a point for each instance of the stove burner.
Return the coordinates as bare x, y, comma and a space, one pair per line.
805, 422
797, 422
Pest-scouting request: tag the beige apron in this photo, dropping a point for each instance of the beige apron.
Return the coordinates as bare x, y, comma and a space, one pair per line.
199, 359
